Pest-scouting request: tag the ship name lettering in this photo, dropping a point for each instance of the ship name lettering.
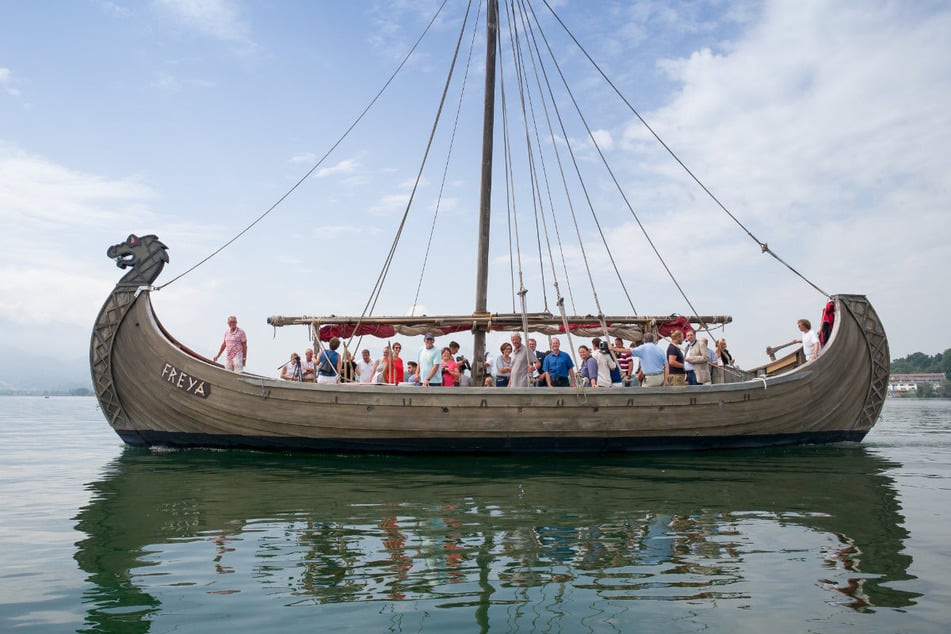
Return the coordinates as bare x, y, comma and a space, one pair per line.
185, 382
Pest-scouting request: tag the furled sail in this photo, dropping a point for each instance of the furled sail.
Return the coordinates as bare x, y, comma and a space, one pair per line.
626, 327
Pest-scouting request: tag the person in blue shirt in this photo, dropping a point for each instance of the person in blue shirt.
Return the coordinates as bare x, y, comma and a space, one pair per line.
589, 367
428, 361
653, 362
558, 367
328, 363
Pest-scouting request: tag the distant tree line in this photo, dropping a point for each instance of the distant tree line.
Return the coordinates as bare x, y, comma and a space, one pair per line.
921, 362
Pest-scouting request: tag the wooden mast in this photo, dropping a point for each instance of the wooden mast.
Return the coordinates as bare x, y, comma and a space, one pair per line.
485, 199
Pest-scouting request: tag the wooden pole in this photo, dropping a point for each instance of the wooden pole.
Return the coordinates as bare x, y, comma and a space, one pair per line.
485, 199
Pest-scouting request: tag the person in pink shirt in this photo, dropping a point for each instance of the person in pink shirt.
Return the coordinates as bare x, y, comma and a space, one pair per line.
235, 347
449, 369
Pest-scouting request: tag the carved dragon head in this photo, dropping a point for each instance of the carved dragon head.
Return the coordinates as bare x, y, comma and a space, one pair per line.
146, 256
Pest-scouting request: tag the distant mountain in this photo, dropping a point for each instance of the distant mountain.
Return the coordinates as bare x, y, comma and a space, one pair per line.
28, 371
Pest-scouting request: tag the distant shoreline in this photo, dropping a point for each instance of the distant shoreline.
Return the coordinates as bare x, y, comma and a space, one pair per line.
78, 391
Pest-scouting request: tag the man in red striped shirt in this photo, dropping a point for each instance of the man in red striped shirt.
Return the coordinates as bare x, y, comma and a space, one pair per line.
624, 358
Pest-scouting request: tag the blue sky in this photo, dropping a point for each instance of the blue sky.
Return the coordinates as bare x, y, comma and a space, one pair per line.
823, 126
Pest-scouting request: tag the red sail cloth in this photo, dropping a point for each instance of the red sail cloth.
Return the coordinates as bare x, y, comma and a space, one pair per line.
385, 331
345, 331
680, 323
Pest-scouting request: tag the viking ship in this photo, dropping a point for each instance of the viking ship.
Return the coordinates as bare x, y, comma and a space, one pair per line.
155, 390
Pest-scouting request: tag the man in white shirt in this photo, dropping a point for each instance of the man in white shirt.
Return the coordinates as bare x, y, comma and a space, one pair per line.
366, 367
810, 340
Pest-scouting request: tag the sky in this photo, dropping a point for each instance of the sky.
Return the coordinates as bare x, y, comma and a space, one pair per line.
822, 127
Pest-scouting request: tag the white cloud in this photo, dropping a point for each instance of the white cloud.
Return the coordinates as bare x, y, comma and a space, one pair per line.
390, 203
6, 82
410, 183
797, 112
52, 294
347, 166
167, 82
308, 158
51, 215
38, 195
114, 9
604, 139
824, 128
218, 19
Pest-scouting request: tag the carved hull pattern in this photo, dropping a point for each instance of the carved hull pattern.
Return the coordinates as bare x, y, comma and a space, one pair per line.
877, 348
107, 324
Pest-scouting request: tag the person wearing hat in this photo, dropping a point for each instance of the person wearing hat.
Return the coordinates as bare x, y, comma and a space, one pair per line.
429, 362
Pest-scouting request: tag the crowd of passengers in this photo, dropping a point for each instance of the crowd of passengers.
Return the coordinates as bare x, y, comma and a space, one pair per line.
685, 360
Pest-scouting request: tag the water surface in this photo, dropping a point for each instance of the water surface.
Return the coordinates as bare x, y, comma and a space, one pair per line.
98, 537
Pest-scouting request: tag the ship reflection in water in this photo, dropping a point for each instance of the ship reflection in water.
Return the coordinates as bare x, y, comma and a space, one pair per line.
500, 539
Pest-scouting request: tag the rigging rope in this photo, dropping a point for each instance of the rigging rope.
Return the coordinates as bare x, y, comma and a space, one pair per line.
319, 162
537, 206
510, 206
539, 215
510, 178
584, 254
764, 247
524, 93
452, 141
375, 293
617, 184
535, 53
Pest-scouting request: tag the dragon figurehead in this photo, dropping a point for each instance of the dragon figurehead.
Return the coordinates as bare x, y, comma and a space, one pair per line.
145, 255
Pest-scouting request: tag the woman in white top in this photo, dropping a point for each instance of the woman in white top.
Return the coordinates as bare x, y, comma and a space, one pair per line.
291, 371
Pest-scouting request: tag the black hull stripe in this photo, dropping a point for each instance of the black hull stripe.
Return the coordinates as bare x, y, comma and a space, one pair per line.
574, 445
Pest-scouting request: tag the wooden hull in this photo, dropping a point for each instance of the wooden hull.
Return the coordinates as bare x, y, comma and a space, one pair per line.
153, 391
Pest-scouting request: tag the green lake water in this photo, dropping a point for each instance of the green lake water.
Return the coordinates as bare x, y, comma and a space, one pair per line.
96, 537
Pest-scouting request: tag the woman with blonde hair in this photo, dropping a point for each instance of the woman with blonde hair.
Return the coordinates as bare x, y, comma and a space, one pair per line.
723, 355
